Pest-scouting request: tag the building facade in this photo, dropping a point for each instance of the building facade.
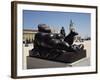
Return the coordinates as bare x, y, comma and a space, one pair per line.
28, 35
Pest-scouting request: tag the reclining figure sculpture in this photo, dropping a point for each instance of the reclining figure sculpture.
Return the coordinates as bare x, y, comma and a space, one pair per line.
54, 46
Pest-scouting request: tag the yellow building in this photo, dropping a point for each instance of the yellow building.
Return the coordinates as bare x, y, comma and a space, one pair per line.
29, 34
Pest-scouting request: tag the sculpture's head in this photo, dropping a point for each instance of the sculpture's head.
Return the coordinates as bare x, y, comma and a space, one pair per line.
73, 33
44, 28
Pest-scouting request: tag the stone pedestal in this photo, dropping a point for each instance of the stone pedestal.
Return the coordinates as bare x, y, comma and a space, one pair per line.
33, 62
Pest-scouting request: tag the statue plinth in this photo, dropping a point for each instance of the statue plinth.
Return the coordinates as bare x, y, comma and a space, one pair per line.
65, 57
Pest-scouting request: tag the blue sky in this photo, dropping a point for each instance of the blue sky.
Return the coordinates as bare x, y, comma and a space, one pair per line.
58, 19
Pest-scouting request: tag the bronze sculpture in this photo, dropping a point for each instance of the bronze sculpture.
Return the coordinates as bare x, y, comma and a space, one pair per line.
55, 46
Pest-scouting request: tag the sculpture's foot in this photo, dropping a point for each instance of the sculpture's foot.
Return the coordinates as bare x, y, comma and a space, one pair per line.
77, 47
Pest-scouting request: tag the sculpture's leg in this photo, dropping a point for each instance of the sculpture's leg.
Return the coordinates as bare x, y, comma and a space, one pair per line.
54, 53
